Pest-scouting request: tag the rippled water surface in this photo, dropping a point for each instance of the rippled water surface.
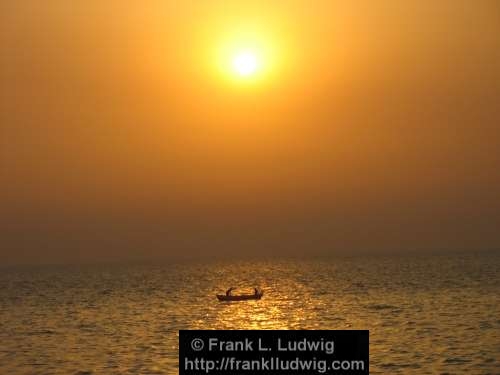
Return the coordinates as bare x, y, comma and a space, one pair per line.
426, 315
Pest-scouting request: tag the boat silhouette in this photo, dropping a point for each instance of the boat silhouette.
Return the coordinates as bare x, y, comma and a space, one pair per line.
241, 297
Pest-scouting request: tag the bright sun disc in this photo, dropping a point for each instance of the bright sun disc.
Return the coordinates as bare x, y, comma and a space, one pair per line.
245, 63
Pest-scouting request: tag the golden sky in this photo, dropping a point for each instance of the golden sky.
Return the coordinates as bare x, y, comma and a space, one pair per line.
367, 126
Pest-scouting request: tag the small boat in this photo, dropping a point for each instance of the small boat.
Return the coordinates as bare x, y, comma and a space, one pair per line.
241, 297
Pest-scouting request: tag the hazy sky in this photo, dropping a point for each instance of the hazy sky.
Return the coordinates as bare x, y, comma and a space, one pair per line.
374, 127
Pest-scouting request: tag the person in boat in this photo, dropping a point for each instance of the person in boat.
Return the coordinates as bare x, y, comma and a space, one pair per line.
228, 292
255, 291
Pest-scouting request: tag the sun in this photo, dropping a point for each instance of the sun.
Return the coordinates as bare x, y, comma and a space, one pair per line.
245, 63
245, 57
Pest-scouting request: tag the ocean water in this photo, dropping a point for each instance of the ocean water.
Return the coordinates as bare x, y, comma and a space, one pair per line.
426, 314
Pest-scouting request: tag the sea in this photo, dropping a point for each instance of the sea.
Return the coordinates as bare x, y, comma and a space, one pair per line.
427, 314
